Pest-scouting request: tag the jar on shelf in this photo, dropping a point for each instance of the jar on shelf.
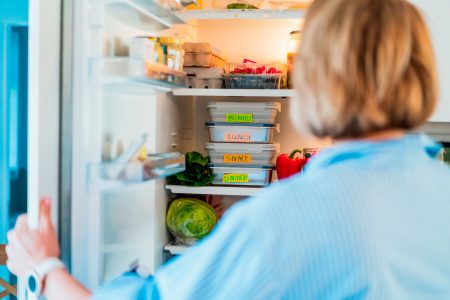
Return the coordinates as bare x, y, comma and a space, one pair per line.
147, 48
173, 51
293, 45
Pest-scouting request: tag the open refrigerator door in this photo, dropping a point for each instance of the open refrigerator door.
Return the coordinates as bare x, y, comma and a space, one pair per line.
125, 137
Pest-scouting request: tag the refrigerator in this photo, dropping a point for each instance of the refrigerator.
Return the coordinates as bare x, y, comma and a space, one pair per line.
88, 104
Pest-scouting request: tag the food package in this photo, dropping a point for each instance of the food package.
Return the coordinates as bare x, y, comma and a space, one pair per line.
237, 4
190, 219
202, 55
204, 83
204, 78
292, 4
214, 72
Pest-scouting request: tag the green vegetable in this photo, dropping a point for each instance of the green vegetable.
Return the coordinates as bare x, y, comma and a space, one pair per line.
190, 219
241, 6
197, 172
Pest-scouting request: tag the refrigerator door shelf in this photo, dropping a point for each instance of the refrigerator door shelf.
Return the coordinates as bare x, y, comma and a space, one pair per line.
134, 76
175, 249
142, 14
115, 175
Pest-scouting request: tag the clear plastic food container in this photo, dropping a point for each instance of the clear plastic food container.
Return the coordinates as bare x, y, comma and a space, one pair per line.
244, 112
244, 81
241, 132
237, 4
242, 176
250, 67
291, 4
242, 154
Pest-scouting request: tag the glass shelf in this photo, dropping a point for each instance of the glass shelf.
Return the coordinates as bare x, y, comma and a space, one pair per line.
142, 14
114, 175
240, 14
281, 93
127, 75
213, 190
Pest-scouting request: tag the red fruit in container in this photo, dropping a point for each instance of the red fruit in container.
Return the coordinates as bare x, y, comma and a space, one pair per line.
237, 70
259, 70
248, 70
272, 70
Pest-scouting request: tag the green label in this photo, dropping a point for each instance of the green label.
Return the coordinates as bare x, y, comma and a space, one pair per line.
239, 118
235, 178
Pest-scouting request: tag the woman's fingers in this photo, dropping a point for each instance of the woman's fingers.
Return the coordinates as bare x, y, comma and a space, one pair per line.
45, 214
12, 267
9, 236
22, 223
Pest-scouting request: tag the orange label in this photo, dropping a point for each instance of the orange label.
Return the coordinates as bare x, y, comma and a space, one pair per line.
237, 158
238, 137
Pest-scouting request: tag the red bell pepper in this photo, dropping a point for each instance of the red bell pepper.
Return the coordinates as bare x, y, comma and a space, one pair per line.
288, 165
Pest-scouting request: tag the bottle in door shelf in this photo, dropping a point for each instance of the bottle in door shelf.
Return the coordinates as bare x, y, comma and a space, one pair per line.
293, 45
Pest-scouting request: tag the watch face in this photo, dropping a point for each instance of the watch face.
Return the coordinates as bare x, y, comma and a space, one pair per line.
32, 284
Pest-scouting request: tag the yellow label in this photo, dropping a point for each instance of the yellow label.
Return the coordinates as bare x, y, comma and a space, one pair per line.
237, 158
239, 118
235, 178
198, 5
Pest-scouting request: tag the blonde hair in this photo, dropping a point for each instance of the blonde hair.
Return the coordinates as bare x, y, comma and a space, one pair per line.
363, 66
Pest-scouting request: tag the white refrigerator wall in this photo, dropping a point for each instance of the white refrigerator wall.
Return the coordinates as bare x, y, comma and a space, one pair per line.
437, 17
264, 41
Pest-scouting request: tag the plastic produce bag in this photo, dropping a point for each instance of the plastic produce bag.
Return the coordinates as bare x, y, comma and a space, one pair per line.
190, 219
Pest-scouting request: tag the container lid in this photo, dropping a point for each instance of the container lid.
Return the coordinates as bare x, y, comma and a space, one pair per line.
250, 106
265, 125
245, 148
253, 75
241, 167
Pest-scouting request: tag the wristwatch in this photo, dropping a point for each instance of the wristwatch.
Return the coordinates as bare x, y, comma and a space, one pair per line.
35, 278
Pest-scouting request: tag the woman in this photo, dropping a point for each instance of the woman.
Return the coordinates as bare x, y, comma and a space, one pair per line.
368, 219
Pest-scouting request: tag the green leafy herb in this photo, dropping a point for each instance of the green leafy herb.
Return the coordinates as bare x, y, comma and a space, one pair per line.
197, 172
241, 6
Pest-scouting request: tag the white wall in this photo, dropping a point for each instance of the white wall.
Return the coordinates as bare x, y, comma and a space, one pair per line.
437, 14
259, 40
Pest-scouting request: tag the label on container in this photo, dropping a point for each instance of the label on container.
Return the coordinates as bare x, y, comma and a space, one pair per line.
238, 137
239, 118
235, 178
237, 158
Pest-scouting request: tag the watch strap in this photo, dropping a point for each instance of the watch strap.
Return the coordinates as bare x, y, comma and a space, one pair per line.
47, 266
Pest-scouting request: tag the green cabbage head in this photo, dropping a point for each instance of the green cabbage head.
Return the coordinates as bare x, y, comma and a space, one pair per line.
190, 219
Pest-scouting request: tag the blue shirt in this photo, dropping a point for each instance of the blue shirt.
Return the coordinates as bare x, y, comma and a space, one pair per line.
367, 220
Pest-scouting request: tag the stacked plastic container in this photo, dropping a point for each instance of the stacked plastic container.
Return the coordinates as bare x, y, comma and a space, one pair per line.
241, 145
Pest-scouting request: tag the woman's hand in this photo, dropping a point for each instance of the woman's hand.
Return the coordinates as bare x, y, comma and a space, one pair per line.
27, 248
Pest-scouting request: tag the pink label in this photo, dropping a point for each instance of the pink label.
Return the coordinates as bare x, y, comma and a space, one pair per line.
237, 137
